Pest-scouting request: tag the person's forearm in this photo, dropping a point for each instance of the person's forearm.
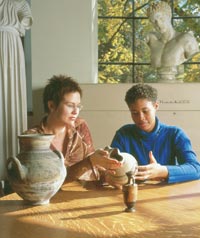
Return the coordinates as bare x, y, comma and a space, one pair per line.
78, 169
184, 172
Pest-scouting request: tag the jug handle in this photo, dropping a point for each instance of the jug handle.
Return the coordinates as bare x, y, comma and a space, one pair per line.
60, 155
20, 168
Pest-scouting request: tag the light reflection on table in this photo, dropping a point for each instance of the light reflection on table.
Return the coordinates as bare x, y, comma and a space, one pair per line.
167, 211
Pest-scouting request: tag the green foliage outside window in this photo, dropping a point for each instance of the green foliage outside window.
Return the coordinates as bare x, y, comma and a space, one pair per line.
123, 54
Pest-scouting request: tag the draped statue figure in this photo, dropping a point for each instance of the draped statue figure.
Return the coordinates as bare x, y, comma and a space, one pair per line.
168, 48
15, 19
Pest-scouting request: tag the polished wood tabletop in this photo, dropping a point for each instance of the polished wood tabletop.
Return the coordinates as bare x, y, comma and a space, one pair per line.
162, 211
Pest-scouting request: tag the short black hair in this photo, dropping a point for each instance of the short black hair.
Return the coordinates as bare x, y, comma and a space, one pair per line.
57, 86
139, 91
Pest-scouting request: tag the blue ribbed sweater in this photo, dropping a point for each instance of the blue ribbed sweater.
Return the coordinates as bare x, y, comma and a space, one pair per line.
169, 144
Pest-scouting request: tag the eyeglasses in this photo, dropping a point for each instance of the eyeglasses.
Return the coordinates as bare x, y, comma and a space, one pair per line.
72, 106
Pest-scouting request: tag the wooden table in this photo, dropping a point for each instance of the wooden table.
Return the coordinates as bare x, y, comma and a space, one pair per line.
162, 211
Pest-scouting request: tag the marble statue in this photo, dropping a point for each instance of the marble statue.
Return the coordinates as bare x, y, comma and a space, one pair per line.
15, 19
168, 48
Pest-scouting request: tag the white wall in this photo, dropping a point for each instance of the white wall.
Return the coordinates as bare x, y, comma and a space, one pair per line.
64, 41
105, 109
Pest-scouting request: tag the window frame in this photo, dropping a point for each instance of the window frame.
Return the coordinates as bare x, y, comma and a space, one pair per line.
134, 18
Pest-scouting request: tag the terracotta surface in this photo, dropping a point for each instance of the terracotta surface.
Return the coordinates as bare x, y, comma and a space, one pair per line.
161, 211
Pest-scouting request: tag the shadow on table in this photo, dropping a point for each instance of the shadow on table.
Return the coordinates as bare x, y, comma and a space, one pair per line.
16, 228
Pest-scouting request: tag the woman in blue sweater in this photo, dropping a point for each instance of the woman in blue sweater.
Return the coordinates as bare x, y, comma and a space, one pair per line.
163, 152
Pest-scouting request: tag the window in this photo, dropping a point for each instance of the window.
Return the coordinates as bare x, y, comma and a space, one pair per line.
123, 55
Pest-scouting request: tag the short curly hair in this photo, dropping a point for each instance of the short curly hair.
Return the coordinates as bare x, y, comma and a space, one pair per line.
141, 91
159, 7
57, 86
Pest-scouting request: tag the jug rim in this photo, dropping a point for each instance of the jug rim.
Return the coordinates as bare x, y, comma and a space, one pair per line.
36, 136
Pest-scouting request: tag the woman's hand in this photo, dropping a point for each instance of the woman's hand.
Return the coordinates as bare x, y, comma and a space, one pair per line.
152, 171
106, 165
100, 158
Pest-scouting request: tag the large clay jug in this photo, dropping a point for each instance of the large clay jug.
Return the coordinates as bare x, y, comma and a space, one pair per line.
129, 163
37, 172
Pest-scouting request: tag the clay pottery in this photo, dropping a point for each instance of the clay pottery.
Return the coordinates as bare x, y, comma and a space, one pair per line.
130, 191
37, 172
129, 163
